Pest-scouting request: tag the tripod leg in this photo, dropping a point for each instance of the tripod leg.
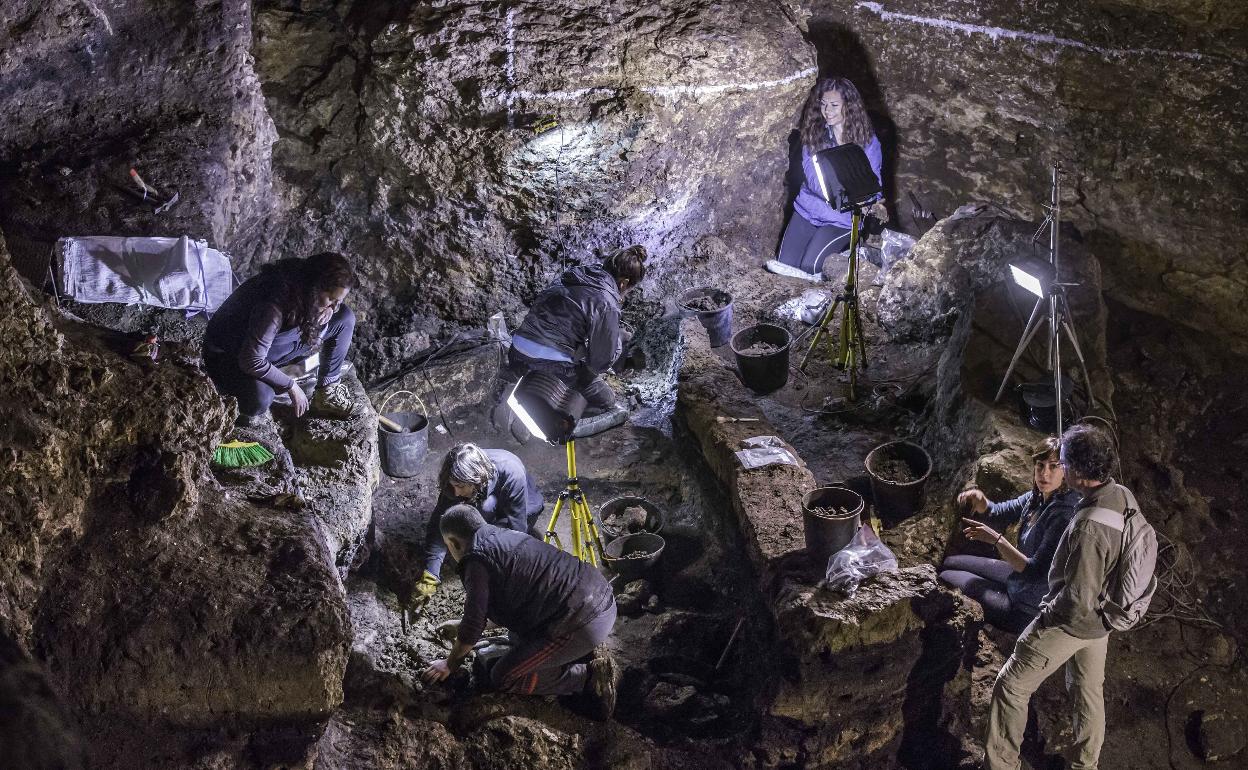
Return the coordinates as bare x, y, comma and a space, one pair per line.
576, 531
552, 536
862, 339
1033, 325
596, 536
593, 538
586, 517
1069, 325
819, 333
842, 346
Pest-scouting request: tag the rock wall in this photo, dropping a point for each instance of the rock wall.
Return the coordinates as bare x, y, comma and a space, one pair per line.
1143, 102
465, 152
92, 89
146, 591
462, 154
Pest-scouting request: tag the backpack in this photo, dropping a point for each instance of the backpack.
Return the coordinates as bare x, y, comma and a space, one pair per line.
1131, 582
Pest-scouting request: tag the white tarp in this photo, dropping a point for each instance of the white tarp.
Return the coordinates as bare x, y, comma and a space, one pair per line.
176, 273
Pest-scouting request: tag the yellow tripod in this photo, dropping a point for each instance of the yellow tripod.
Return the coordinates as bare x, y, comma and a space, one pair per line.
586, 541
851, 350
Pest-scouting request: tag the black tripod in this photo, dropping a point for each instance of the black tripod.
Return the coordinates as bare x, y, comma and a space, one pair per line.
851, 350
1058, 316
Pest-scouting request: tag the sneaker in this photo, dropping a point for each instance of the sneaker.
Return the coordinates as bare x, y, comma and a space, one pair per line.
604, 683
779, 268
333, 401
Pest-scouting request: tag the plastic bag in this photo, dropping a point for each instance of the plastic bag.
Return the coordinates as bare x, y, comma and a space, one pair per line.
807, 307
866, 555
496, 328
897, 246
765, 450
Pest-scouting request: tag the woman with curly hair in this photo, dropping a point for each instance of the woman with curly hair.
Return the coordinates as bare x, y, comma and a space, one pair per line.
277, 318
834, 115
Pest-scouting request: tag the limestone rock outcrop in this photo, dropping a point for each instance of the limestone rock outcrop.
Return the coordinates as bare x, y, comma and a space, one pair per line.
149, 593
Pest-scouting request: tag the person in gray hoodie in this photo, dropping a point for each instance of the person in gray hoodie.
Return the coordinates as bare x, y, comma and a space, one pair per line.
572, 331
1070, 629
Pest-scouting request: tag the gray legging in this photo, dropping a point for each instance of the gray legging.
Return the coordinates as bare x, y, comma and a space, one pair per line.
807, 247
983, 580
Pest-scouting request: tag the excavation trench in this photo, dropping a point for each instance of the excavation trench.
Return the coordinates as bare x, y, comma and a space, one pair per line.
732, 656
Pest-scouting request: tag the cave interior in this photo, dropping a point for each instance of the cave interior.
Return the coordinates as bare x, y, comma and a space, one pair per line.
157, 611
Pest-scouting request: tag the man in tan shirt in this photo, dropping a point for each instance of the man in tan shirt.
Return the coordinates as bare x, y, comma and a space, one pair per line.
1070, 629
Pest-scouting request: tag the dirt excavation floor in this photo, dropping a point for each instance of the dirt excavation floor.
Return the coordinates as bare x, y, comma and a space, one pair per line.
733, 656
687, 698
677, 707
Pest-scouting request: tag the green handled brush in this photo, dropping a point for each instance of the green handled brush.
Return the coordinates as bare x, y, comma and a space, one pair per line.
240, 454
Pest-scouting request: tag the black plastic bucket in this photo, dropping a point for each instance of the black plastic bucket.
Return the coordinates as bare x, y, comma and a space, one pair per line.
402, 453
1037, 404
654, 517
633, 556
718, 322
769, 371
895, 501
825, 535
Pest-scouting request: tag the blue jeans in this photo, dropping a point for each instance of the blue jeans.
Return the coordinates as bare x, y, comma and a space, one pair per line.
255, 397
598, 394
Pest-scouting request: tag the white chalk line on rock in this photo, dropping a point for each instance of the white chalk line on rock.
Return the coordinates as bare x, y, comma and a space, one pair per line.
509, 95
1000, 33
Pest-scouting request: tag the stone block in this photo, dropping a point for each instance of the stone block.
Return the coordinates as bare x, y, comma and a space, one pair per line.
767, 501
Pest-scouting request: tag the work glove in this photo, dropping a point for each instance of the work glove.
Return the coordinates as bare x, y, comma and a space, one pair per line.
424, 590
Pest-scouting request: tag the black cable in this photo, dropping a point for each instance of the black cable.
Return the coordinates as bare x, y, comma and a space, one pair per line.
434, 395
407, 369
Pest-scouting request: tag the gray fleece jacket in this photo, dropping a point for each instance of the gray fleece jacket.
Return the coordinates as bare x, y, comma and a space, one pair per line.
1085, 555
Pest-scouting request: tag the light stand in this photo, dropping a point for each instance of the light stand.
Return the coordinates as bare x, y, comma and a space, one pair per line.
846, 181
550, 411
1040, 278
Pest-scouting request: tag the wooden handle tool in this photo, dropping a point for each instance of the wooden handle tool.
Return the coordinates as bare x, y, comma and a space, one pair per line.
389, 424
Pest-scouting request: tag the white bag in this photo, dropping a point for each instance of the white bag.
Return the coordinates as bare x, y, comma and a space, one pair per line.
176, 273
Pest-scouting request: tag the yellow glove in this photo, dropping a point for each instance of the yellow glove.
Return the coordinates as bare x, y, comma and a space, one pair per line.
424, 589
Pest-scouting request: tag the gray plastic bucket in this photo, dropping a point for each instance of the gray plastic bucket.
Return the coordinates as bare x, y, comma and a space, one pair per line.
897, 501
769, 371
718, 323
825, 535
402, 453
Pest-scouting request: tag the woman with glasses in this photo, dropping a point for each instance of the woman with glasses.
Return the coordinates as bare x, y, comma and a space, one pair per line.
276, 318
1011, 586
